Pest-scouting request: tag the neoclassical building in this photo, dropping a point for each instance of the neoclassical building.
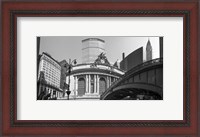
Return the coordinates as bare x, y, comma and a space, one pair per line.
91, 78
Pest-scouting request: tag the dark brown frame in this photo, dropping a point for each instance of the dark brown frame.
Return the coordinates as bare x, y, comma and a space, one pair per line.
12, 126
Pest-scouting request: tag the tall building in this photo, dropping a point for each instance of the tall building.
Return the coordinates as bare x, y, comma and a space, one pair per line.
133, 59
51, 73
51, 69
91, 48
148, 51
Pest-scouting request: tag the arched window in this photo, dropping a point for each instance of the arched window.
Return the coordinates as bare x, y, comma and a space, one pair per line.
81, 86
54, 93
102, 85
112, 80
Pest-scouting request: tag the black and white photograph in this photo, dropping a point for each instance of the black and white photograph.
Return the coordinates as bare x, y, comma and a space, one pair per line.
99, 68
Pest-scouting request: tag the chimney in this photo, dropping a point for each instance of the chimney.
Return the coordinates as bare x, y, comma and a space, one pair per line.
123, 56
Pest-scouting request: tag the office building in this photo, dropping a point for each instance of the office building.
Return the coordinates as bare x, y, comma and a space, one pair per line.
52, 75
133, 59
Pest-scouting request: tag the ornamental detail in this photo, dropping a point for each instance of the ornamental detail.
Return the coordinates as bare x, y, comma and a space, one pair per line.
102, 59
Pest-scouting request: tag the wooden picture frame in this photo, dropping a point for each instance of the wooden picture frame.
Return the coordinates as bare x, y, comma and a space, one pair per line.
11, 126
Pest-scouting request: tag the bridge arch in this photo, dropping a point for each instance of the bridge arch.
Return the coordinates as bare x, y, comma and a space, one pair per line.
150, 87
135, 91
143, 80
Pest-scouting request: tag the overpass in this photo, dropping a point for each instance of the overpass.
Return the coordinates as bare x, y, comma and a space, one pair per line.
144, 82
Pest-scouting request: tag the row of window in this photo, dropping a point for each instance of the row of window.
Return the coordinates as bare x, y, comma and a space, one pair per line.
52, 76
53, 84
51, 73
52, 80
54, 93
52, 68
51, 61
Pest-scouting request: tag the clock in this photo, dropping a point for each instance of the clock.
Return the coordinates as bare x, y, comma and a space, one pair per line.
102, 61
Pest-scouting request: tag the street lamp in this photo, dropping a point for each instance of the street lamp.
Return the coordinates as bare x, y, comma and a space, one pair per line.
70, 65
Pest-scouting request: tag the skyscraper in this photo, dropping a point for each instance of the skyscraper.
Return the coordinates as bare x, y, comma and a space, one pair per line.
148, 51
133, 59
51, 69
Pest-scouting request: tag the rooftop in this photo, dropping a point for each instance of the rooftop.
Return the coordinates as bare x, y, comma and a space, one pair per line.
47, 54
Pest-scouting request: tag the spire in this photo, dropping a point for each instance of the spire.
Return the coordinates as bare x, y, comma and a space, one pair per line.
149, 43
148, 51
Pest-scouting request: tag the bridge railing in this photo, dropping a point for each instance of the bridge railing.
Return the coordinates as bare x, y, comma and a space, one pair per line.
145, 64
129, 72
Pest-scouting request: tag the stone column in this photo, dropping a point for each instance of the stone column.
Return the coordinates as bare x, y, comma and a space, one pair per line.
86, 82
95, 83
89, 83
75, 83
51, 93
107, 79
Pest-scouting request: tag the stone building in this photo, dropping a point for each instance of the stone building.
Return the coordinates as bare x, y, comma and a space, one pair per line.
91, 78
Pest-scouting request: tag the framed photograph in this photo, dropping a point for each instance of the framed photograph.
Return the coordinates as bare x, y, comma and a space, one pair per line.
100, 68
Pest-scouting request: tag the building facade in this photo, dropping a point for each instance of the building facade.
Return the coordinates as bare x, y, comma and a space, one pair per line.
89, 82
133, 59
91, 78
52, 74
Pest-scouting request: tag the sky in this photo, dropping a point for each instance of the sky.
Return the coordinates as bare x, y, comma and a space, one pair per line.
70, 47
